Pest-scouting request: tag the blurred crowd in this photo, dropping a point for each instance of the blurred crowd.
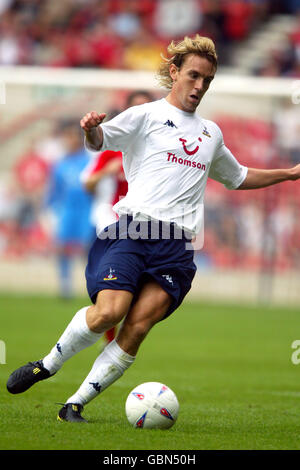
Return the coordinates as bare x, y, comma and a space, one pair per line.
259, 230
131, 34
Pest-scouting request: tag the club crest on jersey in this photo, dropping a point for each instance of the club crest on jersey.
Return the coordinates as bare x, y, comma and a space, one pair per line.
189, 152
169, 123
140, 396
110, 276
206, 133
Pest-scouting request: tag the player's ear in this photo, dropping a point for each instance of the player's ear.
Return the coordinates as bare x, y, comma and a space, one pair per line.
173, 70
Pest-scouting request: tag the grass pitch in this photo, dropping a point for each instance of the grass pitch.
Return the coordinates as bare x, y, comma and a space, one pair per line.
230, 367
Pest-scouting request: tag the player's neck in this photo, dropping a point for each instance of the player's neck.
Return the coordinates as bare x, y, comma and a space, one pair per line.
171, 98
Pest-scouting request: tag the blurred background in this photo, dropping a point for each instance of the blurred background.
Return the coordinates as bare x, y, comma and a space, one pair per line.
59, 60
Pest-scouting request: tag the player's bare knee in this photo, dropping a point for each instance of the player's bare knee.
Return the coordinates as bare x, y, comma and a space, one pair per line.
109, 316
112, 305
101, 318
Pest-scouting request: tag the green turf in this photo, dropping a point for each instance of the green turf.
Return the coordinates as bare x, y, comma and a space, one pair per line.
230, 367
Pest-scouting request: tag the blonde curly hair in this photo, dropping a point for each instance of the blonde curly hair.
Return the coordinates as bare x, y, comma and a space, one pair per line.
177, 51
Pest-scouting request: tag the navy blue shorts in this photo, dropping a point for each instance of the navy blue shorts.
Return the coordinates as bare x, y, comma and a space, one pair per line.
124, 257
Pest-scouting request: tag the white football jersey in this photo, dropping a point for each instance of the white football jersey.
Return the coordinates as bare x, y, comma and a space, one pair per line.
168, 154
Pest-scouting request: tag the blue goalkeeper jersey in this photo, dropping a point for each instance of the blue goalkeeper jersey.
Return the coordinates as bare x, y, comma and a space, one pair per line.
68, 199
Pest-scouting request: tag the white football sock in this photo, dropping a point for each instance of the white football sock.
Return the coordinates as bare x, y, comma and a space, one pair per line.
107, 368
76, 337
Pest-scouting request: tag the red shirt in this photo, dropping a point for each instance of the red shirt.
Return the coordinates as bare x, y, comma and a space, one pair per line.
100, 163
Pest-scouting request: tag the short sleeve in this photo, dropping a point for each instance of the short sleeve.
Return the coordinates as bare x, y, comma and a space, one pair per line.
225, 168
121, 131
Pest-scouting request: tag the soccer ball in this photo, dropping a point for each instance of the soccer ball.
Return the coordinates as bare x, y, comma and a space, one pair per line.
152, 405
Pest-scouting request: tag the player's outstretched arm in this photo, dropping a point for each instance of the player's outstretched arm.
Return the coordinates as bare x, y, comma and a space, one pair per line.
257, 178
93, 132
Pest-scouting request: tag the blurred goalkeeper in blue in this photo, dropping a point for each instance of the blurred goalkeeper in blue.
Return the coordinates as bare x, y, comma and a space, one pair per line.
71, 205
141, 268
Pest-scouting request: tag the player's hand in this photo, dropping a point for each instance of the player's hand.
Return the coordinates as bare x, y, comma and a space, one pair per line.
91, 120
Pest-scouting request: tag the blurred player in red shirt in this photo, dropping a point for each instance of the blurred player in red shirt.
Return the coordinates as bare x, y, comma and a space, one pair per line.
104, 177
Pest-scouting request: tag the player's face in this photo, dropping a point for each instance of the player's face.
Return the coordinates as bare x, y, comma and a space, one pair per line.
190, 82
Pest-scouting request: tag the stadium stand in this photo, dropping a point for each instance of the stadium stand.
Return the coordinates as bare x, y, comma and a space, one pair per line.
120, 34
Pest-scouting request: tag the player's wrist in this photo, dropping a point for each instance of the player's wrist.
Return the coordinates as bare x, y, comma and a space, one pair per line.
91, 131
93, 137
294, 173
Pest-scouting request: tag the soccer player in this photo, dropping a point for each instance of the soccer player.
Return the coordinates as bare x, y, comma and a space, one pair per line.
169, 151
